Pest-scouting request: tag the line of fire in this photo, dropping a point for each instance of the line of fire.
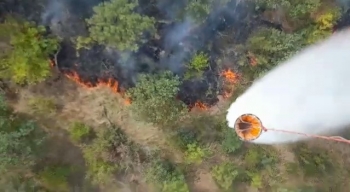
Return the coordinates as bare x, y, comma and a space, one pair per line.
76, 68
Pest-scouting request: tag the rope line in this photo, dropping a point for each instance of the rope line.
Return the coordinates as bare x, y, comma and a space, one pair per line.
330, 138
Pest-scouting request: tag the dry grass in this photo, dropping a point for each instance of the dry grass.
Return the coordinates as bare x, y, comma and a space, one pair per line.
88, 106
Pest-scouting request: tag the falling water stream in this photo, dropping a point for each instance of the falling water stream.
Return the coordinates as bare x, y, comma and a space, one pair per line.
309, 93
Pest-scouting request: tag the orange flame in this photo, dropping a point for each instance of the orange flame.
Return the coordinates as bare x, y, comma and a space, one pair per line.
227, 94
229, 76
110, 83
200, 105
127, 101
76, 78
51, 63
253, 61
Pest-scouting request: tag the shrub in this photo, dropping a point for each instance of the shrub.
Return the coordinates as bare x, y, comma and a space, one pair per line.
99, 169
257, 158
225, 174
20, 183
166, 177
296, 189
231, 142
195, 154
42, 105
21, 141
55, 178
79, 132
314, 162
197, 65
268, 47
184, 137
255, 179
300, 9
110, 152
205, 126
271, 46
259, 161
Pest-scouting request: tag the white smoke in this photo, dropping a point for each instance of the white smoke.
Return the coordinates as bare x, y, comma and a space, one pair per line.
310, 93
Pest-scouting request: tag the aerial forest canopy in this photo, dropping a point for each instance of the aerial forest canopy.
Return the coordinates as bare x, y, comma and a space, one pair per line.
131, 95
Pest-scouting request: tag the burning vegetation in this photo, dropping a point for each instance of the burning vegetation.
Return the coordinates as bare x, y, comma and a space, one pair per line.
164, 58
110, 83
229, 79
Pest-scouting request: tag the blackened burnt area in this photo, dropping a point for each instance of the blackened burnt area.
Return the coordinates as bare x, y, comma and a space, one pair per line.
155, 55
207, 88
29, 9
204, 90
200, 39
91, 65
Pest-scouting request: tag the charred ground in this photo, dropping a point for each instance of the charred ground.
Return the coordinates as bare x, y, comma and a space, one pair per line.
173, 46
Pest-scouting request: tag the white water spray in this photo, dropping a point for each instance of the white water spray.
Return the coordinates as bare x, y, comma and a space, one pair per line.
310, 93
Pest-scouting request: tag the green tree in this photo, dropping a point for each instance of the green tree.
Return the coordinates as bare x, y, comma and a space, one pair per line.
116, 24
28, 59
154, 98
20, 141
296, 9
274, 44
272, 4
270, 46
199, 10
322, 26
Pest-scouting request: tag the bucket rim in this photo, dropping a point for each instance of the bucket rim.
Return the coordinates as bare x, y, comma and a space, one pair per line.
239, 132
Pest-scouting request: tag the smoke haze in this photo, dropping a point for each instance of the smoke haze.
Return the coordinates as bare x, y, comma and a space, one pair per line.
310, 93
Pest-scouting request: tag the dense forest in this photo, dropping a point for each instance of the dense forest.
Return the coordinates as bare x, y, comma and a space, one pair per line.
131, 95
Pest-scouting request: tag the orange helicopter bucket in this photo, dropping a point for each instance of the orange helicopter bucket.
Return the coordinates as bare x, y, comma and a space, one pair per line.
248, 127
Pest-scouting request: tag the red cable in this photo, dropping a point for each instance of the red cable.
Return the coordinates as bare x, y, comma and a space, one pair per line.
330, 138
